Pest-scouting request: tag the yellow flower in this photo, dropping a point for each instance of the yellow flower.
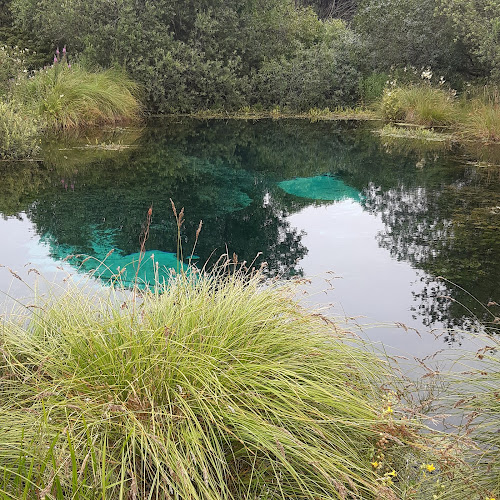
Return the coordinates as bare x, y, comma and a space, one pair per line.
389, 410
430, 467
375, 464
393, 473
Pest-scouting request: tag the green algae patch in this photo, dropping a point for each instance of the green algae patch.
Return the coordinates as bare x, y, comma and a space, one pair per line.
320, 187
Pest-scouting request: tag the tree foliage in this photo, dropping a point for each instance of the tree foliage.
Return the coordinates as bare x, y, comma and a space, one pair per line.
200, 54
478, 24
192, 55
410, 33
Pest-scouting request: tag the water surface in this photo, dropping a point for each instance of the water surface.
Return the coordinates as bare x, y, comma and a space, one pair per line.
373, 223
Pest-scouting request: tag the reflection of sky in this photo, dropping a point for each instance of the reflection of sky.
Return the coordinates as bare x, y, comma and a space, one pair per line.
22, 251
369, 286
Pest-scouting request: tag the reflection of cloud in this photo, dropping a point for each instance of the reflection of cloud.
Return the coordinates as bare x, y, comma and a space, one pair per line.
320, 187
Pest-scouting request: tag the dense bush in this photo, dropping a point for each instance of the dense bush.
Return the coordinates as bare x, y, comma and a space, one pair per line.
12, 65
324, 75
19, 132
189, 57
371, 87
477, 24
410, 33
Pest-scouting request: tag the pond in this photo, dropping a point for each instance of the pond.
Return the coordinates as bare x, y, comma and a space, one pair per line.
402, 236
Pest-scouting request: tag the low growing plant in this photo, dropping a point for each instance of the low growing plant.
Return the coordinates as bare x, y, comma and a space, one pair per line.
19, 132
417, 133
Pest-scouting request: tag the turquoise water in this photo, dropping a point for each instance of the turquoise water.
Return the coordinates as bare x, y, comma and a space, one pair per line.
387, 231
320, 187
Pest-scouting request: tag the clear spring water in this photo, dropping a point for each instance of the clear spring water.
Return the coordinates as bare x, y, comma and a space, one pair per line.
374, 223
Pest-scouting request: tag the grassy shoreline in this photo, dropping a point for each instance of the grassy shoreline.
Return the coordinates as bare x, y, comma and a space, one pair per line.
319, 115
217, 387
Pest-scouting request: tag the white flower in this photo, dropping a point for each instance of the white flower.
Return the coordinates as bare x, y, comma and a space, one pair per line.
426, 74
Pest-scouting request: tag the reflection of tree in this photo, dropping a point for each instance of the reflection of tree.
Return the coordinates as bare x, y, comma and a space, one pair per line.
451, 231
111, 199
439, 214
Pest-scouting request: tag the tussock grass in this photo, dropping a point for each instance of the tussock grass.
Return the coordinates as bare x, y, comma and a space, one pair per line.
483, 121
419, 104
68, 98
216, 388
476, 116
473, 395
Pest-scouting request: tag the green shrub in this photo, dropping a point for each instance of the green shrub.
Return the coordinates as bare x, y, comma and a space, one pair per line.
413, 32
184, 80
12, 65
371, 87
70, 97
190, 55
392, 105
324, 75
217, 388
19, 133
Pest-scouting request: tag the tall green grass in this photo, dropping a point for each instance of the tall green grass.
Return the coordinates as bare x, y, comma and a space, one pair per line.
72, 97
482, 114
473, 398
419, 104
216, 388
476, 115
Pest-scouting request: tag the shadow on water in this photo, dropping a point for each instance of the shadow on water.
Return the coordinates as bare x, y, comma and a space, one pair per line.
439, 207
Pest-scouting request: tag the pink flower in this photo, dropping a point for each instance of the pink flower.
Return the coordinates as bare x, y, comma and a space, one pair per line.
55, 59
64, 50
